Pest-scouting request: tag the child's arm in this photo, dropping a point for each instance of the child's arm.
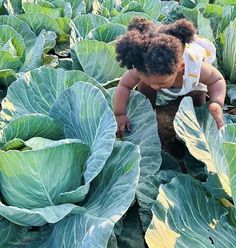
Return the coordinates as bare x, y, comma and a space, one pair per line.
126, 84
216, 89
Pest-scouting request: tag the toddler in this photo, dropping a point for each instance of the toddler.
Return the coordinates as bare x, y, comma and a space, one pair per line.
165, 62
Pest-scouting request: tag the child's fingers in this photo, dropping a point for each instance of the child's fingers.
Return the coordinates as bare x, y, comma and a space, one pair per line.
216, 111
128, 126
120, 132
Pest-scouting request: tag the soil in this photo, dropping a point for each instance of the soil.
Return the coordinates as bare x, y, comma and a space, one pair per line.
165, 117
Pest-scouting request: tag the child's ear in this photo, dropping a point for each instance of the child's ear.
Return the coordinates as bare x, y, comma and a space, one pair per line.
181, 65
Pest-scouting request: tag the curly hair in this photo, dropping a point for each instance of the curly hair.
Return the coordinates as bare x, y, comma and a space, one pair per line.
153, 48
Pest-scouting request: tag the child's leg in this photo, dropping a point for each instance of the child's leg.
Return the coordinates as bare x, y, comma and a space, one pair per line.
150, 93
199, 97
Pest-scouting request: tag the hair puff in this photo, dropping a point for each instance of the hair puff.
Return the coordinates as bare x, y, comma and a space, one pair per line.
182, 29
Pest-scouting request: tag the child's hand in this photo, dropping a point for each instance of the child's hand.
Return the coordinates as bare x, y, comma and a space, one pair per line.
122, 123
216, 111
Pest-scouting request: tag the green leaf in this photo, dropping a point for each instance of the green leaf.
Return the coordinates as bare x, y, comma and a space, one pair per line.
167, 9
50, 40
125, 18
151, 7
198, 130
204, 27
191, 14
87, 116
8, 46
231, 93
107, 32
37, 8
85, 23
133, 6
132, 233
144, 132
10, 233
38, 22
78, 7
225, 2
147, 192
229, 150
111, 193
8, 33
13, 6
192, 3
8, 61
26, 176
21, 28
66, 64
50, 61
37, 216
64, 24
214, 13
229, 14
29, 126
229, 51
184, 215
7, 76
38, 90
98, 60
34, 56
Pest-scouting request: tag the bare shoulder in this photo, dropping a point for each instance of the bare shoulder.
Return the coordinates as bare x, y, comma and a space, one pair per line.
130, 78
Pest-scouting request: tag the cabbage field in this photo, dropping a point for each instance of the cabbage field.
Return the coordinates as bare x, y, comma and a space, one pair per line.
66, 181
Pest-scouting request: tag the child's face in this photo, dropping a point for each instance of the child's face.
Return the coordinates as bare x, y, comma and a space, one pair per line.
158, 82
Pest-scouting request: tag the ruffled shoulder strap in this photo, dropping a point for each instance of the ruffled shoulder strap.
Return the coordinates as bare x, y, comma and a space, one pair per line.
209, 55
201, 49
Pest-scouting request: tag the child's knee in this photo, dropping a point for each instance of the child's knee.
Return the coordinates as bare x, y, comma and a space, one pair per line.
198, 97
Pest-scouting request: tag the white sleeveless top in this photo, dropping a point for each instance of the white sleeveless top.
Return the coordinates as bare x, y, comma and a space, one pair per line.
201, 49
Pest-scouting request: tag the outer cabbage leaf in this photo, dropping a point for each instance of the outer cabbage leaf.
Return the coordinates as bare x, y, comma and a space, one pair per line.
8, 33
26, 183
85, 23
107, 32
204, 27
151, 7
191, 4
86, 115
11, 234
111, 193
125, 18
21, 28
35, 54
228, 14
98, 59
184, 215
37, 8
39, 21
8, 60
26, 176
22, 50
231, 92
228, 139
13, 7
37, 91
147, 192
144, 132
199, 131
7, 76
29, 126
229, 51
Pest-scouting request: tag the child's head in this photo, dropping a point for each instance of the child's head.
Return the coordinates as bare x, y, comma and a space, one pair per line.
155, 51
